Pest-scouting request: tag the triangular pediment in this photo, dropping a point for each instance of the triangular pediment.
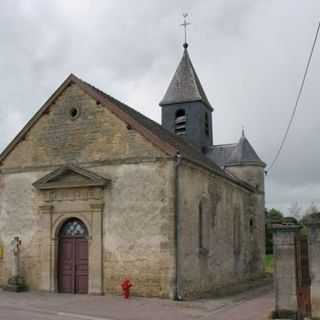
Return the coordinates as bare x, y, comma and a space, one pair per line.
70, 176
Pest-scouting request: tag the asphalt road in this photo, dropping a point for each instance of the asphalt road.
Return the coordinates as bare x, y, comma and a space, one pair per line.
252, 305
15, 313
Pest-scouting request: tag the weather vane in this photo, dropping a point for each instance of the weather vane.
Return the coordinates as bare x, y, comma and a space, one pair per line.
185, 24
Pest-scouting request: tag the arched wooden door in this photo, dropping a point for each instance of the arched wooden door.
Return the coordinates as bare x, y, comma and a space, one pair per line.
73, 257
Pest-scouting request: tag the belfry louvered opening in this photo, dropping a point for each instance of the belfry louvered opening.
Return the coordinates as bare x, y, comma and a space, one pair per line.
181, 121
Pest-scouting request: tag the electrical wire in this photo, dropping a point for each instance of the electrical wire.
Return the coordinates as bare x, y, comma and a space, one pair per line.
296, 103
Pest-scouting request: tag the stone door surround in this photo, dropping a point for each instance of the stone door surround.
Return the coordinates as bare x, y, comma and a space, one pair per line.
71, 192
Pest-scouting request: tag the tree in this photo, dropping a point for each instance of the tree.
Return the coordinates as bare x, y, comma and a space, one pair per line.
295, 211
273, 215
310, 211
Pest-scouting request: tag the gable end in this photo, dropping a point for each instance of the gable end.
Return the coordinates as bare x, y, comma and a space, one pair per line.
105, 101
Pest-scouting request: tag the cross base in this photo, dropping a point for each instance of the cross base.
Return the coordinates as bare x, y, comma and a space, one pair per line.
16, 284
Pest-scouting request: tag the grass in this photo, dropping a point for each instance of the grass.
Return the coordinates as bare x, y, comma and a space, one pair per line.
268, 263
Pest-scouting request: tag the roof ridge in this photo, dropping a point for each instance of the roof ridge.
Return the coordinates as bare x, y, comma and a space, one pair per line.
197, 81
175, 137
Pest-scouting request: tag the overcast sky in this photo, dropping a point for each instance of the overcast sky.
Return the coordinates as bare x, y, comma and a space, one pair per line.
249, 54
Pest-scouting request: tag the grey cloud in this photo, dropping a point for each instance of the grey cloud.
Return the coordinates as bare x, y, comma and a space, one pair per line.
249, 54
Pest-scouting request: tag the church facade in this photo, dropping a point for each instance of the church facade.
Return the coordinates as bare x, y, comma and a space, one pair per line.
99, 193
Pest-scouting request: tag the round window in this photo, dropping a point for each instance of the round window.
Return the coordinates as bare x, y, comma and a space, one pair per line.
74, 112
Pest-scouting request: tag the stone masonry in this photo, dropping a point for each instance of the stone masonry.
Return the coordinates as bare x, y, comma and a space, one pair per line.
172, 227
285, 268
314, 263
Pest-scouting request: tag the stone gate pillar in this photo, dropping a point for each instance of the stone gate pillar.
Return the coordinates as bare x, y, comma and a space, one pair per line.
285, 285
313, 225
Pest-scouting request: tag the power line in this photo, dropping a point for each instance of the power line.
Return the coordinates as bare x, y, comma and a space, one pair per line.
296, 103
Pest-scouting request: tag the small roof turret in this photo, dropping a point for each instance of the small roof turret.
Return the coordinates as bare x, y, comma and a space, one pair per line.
244, 154
185, 85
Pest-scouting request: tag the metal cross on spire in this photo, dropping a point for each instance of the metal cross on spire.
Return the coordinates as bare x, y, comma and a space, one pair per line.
185, 24
242, 131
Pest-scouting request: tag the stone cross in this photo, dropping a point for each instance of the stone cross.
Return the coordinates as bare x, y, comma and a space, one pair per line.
15, 246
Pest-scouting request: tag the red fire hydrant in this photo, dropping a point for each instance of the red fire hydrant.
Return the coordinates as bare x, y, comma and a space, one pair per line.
126, 285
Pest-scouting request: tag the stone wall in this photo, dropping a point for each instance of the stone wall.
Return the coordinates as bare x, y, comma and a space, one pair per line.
285, 267
231, 252
314, 263
19, 217
95, 135
138, 212
139, 206
254, 175
2, 280
137, 230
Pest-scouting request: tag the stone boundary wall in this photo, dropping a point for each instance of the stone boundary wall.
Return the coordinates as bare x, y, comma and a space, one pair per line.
290, 301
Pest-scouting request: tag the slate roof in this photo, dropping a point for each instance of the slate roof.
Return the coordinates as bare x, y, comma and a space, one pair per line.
185, 85
221, 153
244, 154
236, 154
186, 149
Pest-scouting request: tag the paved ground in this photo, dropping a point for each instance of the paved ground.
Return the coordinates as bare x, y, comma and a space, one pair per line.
252, 305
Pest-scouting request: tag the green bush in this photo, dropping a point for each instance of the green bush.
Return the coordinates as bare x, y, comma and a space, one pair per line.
268, 263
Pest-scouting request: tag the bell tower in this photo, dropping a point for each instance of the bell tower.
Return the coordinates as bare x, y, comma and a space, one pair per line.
186, 110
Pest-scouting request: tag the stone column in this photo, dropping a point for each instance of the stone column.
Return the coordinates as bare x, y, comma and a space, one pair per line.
96, 250
313, 226
46, 247
285, 268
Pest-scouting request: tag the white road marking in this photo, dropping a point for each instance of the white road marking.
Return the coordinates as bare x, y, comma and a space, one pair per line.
80, 316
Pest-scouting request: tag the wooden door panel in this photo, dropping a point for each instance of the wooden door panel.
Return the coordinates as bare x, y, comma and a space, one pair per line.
66, 266
82, 284
81, 261
82, 249
66, 285
73, 257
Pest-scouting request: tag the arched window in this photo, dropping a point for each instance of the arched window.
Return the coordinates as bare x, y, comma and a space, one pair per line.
203, 227
206, 124
251, 225
181, 121
73, 228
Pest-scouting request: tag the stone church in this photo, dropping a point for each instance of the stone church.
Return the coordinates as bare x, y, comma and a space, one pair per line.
98, 193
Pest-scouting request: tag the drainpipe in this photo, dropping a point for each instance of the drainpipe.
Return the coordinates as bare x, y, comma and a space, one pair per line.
177, 295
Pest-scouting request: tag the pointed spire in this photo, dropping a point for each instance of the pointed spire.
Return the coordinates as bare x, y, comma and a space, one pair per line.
244, 154
185, 85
